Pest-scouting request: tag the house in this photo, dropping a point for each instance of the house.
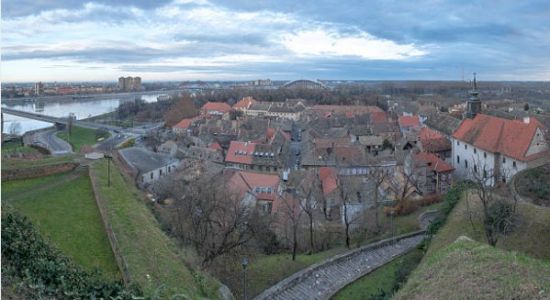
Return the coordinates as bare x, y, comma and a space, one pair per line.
408, 123
329, 184
252, 156
432, 141
496, 148
183, 127
430, 173
244, 104
147, 166
215, 109
261, 190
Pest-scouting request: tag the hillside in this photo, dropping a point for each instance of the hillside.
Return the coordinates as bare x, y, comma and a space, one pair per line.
467, 269
532, 225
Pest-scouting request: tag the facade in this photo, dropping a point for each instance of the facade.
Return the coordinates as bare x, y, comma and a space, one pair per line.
260, 190
215, 110
38, 88
129, 83
252, 156
408, 124
430, 173
147, 166
496, 149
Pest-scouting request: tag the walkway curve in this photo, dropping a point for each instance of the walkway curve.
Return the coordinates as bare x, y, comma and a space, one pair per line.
323, 280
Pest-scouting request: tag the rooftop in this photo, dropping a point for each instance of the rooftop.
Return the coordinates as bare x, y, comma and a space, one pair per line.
144, 160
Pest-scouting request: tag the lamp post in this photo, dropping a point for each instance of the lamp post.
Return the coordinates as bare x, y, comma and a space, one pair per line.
245, 265
108, 157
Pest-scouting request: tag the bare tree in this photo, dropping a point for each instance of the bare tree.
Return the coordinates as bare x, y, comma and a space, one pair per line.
349, 217
214, 221
15, 128
307, 191
292, 215
377, 176
498, 212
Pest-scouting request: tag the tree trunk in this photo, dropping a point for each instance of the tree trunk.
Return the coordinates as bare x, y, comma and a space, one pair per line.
311, 234
294, 244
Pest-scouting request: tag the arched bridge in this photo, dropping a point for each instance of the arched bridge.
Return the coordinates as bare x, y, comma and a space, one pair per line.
304, 84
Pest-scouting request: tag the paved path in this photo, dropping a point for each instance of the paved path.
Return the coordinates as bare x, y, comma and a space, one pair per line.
322, 281
50, 141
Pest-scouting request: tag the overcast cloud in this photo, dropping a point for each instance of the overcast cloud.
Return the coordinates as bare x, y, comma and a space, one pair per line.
210, 40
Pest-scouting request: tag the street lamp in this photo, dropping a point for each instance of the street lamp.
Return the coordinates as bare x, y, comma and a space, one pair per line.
109, 158
245, 264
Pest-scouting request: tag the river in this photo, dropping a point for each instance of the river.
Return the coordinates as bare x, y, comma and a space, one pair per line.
81, 109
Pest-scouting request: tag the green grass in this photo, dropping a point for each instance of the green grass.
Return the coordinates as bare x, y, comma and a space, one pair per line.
467, 269
28, 163
63, 209
81, 136
382, 278
533, 224
16, 147
154, 261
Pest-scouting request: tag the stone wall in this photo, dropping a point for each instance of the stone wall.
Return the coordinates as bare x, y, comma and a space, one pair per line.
34, 172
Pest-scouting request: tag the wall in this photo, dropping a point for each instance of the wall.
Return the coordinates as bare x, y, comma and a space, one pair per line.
26, 173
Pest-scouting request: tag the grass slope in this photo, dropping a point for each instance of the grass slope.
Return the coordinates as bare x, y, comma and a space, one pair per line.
382, 278
80, 137
154, 261
470, 270
528, 236
63, 209
16, 147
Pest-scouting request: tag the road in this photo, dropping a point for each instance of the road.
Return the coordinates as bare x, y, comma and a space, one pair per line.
47, 139
323, 280
295, 154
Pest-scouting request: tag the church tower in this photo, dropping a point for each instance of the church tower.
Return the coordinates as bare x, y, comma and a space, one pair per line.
474, 104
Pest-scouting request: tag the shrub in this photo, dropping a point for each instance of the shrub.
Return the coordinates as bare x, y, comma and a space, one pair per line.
44, 271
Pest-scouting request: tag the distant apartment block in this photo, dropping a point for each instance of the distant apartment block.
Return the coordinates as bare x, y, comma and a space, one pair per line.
38, 88
129, 83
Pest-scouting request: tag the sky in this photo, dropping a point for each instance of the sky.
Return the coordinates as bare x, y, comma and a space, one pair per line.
101, 40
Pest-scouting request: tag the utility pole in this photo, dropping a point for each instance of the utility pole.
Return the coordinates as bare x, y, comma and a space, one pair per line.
109, 157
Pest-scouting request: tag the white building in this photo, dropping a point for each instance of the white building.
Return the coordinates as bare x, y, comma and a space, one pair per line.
147, 166
496, 148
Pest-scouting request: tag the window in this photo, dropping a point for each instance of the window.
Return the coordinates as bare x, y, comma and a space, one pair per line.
514, 164
457, 143
484, 173
160, 172
484, 154
169, 169
458, 159
475, 150
475, 168
466, 163
151, 175
504, 160
465, 146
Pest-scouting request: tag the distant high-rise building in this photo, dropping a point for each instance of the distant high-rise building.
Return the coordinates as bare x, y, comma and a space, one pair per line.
129, 83
473, 106
38, 88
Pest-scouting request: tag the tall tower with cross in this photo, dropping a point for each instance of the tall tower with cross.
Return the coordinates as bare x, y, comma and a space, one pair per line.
474, 104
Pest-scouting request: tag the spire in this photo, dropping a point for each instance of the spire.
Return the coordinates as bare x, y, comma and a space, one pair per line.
474, 104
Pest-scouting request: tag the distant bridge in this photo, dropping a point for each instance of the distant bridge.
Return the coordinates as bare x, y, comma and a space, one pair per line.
304, 84
56, 120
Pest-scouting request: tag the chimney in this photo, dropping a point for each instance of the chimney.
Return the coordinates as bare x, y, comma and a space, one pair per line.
526, 120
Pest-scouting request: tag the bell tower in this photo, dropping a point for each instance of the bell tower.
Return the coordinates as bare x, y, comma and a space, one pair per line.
474, 104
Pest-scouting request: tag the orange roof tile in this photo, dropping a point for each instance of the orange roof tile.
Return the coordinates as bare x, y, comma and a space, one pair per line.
511, 138
434, 163
378, 117
185, 123
408, 121
216, 106
240, 152
244, 103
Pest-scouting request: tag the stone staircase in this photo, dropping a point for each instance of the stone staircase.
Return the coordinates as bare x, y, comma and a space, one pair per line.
323, 280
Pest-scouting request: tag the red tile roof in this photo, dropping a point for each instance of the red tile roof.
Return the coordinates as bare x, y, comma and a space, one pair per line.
216, 106
185, 123
244, 103
328, 179
379, 117
215, 146
434, 163
240, 152
242, 182
511, 138
433, 141
408, 121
